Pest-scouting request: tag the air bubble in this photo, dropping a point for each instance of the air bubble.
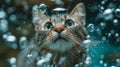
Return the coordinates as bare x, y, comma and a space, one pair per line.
118, 60
35, 7
102, 8
12, 62
117, 12
90, 27
101, 61
23, 42
107, 14
115, 22
103, 2
109, 35
43, 8
112, 66
12, 17
103, 25
2, 14
59, 2
116, 35
11, 38
3, 25
105, 64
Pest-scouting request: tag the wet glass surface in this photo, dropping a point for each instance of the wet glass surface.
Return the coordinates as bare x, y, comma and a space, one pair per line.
102, 23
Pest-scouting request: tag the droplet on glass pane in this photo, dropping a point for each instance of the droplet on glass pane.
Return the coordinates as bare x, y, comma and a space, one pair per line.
90, 27
43, 8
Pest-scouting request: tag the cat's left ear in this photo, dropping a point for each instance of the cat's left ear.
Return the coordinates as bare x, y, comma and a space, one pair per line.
79, 13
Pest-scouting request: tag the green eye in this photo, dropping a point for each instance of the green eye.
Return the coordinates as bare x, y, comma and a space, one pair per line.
69, 23
48, 25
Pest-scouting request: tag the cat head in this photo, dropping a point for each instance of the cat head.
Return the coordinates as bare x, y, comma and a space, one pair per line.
61, 32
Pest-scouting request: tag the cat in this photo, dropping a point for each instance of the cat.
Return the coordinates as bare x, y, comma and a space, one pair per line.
57, 41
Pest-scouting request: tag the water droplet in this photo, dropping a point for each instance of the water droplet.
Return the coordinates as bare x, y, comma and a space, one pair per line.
118, 60
90, 27
40, 62
117, 12
59, 2
5, 36
118, 40
105, 64
43, 8
7, 1
104, 38
115, 22
2, 14
112, 31
12, 60
101, 61
12, 17
23, 42
109, 35
86, 41
98, 31
116, 35
29, 55
11, 38
10, 10
59, 9
102, 8
103, 25
107, 14
103, 2
87, 62
102, 56
112, 66
35, 7
3, 25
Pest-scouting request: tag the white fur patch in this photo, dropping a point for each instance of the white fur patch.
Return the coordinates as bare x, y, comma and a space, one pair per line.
60, 45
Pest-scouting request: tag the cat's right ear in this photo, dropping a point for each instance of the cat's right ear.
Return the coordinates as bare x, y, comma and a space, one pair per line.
38, 18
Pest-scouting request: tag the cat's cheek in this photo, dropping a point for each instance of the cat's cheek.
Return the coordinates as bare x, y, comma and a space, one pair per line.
66, 34
53, 35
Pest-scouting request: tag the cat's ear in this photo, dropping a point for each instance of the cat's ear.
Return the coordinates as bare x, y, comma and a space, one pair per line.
79, 13
38, 18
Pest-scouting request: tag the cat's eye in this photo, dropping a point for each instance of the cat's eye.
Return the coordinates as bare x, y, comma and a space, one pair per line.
48, 25
69, 23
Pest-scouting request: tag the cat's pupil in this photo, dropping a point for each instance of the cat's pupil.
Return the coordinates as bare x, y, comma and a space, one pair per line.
48, 25
69, 23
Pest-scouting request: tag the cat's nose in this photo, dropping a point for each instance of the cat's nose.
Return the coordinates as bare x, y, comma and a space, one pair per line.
59, 28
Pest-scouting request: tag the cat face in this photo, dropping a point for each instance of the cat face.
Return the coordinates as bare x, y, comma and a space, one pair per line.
62, 32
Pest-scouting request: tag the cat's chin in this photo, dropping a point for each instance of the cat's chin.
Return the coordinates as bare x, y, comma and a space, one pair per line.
60, 44
60, 39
